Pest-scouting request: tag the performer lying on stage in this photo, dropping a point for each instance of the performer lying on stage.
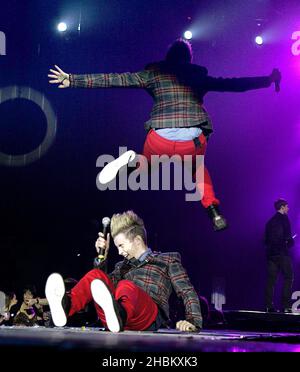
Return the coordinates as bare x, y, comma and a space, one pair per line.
135, 295
179, 124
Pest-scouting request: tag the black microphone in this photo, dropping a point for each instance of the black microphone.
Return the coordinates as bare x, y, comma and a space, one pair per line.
105, 223
277, 86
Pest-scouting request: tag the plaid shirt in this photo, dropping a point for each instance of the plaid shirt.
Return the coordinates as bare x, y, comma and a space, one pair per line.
177, 92
157, 275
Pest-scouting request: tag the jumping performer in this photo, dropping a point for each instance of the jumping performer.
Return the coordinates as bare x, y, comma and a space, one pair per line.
179, 123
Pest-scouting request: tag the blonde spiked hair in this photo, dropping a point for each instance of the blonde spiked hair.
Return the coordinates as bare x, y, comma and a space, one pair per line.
129, 224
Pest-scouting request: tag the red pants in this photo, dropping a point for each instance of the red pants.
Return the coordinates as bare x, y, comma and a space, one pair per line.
157, 145
140, 308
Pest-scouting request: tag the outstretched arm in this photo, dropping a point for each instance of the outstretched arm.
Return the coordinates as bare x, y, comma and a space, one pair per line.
241, 84
112, 80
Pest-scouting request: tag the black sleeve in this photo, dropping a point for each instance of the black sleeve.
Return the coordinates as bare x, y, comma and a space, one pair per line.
236, 84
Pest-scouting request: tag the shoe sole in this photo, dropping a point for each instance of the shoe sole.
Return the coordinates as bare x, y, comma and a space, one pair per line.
103, 297
110, 171
55, 290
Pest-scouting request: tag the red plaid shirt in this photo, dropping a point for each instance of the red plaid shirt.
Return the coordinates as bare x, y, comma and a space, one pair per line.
177, 92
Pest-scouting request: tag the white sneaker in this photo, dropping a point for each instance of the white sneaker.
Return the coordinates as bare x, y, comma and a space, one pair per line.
104, 298
55, 290
110, 171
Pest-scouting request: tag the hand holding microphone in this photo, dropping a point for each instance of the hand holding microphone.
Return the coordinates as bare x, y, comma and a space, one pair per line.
102, 243
276, 78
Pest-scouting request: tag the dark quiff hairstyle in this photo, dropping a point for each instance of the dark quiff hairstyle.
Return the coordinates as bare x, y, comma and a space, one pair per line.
280, 203
179, 52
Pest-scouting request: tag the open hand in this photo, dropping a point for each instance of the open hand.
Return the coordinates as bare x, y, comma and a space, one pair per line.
185, 326
59, 77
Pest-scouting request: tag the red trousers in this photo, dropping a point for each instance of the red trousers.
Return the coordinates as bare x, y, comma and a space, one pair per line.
140, 308
157, 145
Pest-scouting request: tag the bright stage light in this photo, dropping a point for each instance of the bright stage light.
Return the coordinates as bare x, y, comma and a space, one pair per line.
188, 35
259, 40
62, 26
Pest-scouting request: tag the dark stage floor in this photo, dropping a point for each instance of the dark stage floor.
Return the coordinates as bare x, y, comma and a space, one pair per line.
242, 331
93, 339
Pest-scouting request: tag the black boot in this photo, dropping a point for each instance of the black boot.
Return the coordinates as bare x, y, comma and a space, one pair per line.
122, 313
218, 220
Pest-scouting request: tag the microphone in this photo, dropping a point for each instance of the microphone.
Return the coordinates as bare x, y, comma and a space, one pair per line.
277, 86
105, 224
276, 77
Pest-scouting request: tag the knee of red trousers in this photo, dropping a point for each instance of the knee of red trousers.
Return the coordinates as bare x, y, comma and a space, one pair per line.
127, 290
99, 274
140, 308
81, 293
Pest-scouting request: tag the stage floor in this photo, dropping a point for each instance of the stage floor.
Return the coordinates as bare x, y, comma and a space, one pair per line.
163, 341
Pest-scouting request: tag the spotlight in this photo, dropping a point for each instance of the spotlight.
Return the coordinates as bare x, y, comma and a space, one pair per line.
188, 35
259, 40
62, 26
